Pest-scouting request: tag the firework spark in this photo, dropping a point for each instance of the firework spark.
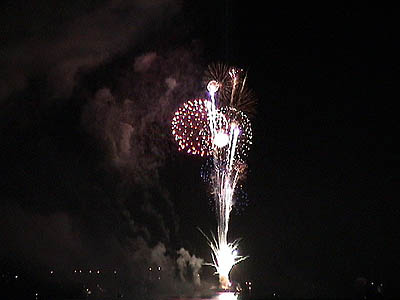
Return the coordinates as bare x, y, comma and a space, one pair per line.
190, 127
231, 134
219, 128
224, 256
233, 91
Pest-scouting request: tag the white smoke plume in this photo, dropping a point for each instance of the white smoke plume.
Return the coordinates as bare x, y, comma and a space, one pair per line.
185, 261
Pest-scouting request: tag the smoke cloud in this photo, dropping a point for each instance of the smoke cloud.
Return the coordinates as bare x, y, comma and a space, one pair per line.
83, 188
108, 208
60, 51
135, 130
185, 261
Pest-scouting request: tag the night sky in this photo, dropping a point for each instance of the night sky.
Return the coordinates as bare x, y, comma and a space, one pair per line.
90, 175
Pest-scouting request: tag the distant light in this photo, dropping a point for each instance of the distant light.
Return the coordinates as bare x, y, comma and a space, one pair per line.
249, 282
372, 283
159, 268
115, 272
149, 268
74, 271
90, 271
98, 271
80, 271
16, 276
51, 272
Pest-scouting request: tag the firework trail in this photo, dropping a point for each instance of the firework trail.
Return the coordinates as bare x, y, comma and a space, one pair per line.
225, 128
218, 127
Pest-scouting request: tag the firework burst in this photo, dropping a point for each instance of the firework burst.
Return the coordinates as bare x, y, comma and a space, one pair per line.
220, 128
236, 118
233, 91
231, 134
224, 257
190, 127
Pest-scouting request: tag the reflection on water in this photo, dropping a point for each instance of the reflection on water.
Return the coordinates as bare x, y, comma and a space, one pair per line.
218, 296
225, 296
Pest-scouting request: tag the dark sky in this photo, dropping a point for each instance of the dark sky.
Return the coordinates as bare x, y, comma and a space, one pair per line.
87, 159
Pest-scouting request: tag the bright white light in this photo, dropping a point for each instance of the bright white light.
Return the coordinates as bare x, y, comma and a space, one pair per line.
224, 133
226, 259
225, 256
213, 86
221, 139
226, 296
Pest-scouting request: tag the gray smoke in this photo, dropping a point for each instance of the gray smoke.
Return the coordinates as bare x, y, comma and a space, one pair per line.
131, 123
135, 130
94, 199
62, 50
185, 261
